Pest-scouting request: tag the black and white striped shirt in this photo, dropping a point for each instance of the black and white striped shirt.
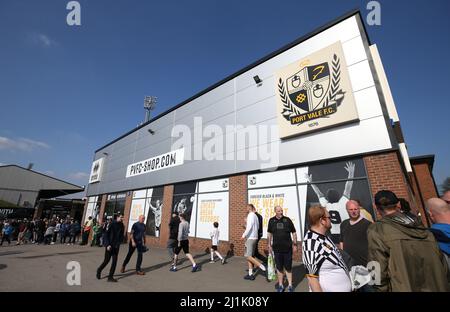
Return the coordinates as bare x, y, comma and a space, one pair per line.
316, 249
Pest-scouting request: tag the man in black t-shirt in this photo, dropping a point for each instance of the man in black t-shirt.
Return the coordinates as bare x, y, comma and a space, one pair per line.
353, 237
137, 241
279, 240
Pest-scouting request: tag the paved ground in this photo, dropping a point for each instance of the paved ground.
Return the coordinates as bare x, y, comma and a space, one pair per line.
43, 268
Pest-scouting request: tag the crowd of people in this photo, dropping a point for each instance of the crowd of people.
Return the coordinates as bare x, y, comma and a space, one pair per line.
395, 253
50, 231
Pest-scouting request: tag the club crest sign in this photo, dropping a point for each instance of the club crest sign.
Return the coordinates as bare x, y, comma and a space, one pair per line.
314, 93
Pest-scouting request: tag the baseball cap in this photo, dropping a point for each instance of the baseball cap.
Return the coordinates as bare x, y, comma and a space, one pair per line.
386, 198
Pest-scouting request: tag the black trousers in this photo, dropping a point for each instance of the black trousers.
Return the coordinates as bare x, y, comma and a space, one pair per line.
256, 253
85, 237
131, 250
113, 253
6, 237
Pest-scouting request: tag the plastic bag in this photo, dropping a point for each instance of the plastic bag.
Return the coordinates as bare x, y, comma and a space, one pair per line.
271, 272
359, 277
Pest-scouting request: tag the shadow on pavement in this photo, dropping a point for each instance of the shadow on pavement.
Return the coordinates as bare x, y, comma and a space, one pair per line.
6, 253
54, 254
131, 272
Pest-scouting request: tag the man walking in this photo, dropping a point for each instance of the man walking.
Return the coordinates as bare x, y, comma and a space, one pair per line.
183, 243
137, 241
407, 255
279, 240
251, 236
172, 243
112, 240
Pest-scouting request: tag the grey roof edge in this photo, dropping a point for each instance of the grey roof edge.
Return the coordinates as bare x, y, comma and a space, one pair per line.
42, 174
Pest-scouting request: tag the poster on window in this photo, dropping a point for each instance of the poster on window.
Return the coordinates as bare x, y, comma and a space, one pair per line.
154, 208
89, 211
184, 201
137, 209
212, 207
266, 199
92, 209
335, 195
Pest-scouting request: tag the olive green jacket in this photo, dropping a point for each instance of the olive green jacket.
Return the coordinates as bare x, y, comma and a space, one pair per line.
408, 256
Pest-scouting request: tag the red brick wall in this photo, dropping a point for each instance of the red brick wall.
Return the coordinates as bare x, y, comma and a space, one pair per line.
418, 197
237, 213
385, 173
127, 210
425, 181
102, 198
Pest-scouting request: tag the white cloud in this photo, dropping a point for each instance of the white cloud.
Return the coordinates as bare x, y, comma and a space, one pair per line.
43, 40
21, 144
79, 175
49, 173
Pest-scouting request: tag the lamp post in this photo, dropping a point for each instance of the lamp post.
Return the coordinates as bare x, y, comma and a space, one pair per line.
149, 105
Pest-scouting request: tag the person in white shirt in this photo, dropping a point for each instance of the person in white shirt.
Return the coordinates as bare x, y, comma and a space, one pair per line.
214, 243
251, 237
333, 201
325, 268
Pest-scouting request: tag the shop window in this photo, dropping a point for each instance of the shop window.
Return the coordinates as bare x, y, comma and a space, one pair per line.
203, 203
148, 202
329, 184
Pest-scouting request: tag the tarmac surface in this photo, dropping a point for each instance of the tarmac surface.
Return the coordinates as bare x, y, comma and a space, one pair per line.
44, 268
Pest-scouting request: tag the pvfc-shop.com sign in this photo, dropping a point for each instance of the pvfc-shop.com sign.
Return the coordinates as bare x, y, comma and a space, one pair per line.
171, 159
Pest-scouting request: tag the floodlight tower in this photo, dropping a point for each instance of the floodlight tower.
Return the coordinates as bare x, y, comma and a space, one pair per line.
149, 105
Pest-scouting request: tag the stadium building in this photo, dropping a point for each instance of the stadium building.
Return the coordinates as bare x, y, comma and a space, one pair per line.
313, 122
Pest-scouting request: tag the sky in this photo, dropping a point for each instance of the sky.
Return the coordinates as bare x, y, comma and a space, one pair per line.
66, 91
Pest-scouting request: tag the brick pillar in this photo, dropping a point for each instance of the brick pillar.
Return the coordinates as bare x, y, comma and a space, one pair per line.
85, 210
419, 199
102, 198
127, 210
385, 173
237, 213
425, 181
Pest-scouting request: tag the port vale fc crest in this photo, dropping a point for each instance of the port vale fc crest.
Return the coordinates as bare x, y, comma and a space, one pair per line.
314, 93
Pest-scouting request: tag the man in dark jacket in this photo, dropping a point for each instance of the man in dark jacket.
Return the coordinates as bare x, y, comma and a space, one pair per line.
405, 255
172, 243
112, 241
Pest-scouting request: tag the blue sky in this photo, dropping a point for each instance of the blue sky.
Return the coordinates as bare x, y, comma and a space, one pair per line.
66, 91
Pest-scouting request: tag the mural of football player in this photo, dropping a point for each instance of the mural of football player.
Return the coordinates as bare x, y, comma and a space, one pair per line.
184, 205
181, 206
157, 209
334, 201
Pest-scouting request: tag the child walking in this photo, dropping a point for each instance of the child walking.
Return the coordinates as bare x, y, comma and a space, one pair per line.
215, 242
